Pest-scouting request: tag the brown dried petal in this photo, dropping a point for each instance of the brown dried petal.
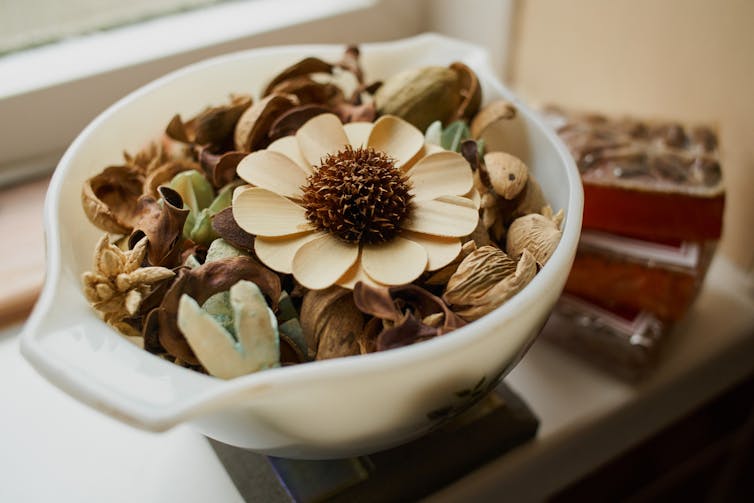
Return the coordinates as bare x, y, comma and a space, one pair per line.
178, 130
288, 122
200, 284
408, 330
162, 224
220, 168
309, 91
301, 68
215, 126
471, 92
225, 225
390, 304
254, 124
165, 173
110, 198
348, 112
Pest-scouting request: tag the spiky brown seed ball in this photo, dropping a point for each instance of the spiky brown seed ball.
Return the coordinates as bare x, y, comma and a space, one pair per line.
358, 195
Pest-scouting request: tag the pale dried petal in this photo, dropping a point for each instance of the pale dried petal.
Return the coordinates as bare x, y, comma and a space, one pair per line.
358, 133
259, 211
447, 217
397, 138
278, 253
440, 251
322, 135
440, 174
288, 146
396, 262
319, 263
273, 171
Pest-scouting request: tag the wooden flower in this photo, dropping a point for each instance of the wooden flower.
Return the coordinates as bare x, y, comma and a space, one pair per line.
337, 204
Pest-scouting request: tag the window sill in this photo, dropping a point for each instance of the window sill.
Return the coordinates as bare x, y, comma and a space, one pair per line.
22, 259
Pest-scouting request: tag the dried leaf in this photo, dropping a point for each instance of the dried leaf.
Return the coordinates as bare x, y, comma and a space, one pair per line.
308, 91
331, 323
401, 307
254, 124
215, 125
299, 69
162, 224
226, 227
288, 122
164, 173
220, 168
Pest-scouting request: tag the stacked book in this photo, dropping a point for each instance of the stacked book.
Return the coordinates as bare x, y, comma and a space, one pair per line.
653, 207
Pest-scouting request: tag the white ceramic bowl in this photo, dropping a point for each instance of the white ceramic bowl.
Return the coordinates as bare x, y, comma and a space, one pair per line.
323, 409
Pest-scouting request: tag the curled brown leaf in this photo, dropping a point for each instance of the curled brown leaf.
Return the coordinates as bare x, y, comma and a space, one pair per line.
110, 198
225, 225
162, 224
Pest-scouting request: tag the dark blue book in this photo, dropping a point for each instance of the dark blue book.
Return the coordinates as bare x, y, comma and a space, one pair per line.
496, 424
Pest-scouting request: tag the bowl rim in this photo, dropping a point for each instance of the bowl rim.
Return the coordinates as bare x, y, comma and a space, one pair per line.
221, 390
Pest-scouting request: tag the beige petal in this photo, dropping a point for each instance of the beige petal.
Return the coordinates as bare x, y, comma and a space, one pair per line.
273, 171
278, 253
261, 212
355, 274
319, 136
449, 216
288, 145
358, 133
440, 174
397, 138
396, 262
320, 262
431, 148
238, 191
440, 251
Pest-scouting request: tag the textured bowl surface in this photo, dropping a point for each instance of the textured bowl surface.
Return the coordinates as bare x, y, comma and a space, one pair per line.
323, 409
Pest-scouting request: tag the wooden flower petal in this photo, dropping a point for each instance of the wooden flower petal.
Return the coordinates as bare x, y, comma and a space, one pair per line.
441, 251
273, 171
288, 145
397, 138
396, 262
320, 262
358, 133
440, 174
450, 216
264, 213
278, 253
355, 274
320, 136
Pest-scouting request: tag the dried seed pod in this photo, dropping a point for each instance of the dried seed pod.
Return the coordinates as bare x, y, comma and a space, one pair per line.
540, 234
109, 198
486, 279
442, 276
331, 323
254, 124
420, 96
164, 173
507, 173
492, 112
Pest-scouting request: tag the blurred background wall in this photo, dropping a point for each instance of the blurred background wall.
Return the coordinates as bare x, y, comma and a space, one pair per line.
677, 59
